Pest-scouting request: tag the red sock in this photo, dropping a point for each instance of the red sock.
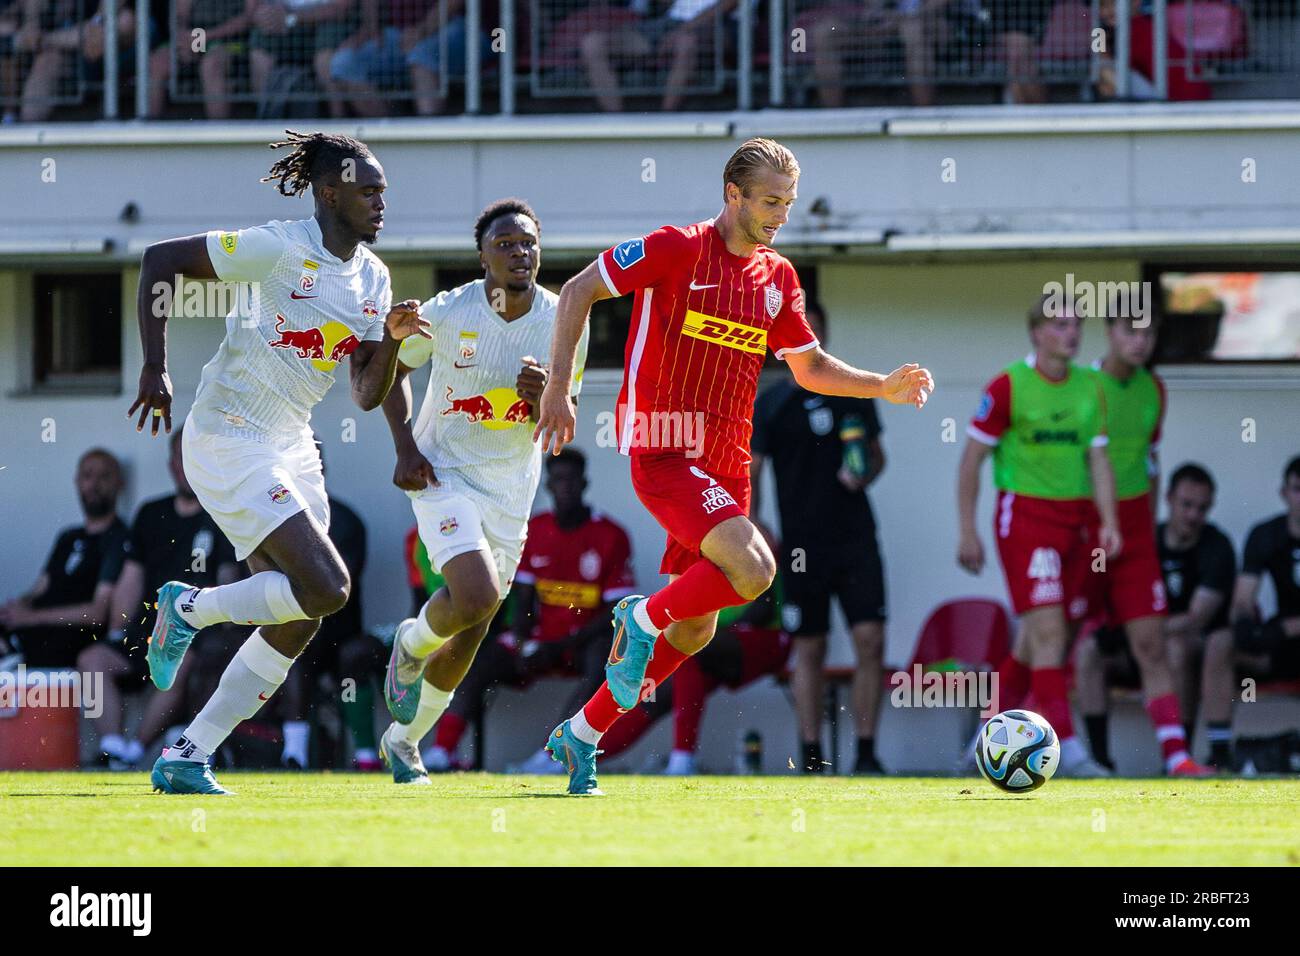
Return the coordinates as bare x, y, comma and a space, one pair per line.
451, 727
626, 731
701, 590
602, 710
1049, 688
691, 687
1013, 683
1168, 719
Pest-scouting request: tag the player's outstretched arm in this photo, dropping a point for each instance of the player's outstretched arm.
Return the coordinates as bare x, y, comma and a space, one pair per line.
818, 371
161, 268
413, 472
970, 549
557, 421
1103, 492
373, 365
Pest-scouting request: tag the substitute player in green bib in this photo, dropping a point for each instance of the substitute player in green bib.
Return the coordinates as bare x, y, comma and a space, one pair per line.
1043, 420
1129, 591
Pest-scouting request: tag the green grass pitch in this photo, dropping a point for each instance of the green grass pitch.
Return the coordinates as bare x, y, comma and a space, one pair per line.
341, 819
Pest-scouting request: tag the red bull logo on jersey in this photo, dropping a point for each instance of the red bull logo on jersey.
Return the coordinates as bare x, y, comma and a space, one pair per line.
370, 311
279, 494
496, 409
733, 335
324, 347
448, 526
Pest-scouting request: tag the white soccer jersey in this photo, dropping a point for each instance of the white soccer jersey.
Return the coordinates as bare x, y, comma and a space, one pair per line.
305, 311
473, 427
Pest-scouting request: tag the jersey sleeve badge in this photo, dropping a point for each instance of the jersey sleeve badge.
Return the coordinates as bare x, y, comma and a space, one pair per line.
629, 253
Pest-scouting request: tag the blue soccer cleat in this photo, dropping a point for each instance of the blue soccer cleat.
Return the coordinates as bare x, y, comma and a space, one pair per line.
171, 636
629, 654
403, 700
185, 776
578, 758
403, 759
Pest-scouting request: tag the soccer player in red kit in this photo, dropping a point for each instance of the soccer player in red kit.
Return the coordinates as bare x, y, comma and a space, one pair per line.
711, 299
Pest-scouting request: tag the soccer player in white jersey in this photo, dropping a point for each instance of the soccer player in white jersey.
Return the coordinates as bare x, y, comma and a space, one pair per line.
470, 466
317, 297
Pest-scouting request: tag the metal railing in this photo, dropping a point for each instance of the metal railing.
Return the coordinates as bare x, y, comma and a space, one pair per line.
723, 53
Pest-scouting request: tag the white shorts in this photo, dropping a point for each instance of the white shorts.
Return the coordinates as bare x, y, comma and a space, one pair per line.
250, 488
453, 522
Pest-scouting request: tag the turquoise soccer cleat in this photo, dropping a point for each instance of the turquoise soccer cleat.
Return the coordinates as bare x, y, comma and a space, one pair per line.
403, 700
185, 776
578, 758
403, 759
171, 636
629, 654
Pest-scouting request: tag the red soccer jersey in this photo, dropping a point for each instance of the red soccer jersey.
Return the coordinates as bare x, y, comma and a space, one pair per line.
702, 323
574, 571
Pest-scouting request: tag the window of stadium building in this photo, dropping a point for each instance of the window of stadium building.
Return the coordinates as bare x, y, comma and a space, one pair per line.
77, 332
1226, 315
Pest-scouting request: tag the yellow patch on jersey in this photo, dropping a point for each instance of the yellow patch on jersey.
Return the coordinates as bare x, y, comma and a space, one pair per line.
228, 242
309, 264
733, 335
580, 594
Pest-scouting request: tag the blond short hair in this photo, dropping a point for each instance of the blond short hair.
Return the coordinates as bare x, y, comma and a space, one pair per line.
755, 154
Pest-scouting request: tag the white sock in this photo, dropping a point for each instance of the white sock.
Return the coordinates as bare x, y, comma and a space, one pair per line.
1072, 751
297, 733
432, 703
1174, 759
641, 615
583, 730
418, 638
251, 677
185, 749
265, 598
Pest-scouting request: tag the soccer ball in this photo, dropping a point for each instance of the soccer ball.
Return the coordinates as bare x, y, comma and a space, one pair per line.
1017, 751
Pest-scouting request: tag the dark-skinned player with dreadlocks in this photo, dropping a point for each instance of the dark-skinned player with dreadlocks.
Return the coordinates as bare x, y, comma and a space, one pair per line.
311, 295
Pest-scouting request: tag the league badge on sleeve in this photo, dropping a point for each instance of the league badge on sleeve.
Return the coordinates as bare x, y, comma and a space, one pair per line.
629, 253
229, 241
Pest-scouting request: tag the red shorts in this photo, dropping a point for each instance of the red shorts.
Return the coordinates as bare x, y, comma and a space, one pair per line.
687, 502
1132, 585
1045, 549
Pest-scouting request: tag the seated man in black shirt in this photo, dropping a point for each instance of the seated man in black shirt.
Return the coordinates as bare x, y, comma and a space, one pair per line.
320, 661
825, 451
172, 537
1270, 649
68, 608
1198, 566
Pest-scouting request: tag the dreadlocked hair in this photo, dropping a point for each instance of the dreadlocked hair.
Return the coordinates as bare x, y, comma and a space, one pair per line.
314, 155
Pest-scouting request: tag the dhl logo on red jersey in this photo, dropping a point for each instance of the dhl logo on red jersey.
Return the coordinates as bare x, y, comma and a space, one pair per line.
733, 335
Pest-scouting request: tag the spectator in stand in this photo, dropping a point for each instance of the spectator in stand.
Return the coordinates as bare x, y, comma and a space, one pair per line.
676, 37
1198, 566
320, 662
59, 42
11, 22
1182, 81
576, 564
1263, 649
397, 36
825, 452
1018, 26
842, 29
749, 644
68, 607
224, 25
299, 34
172, 537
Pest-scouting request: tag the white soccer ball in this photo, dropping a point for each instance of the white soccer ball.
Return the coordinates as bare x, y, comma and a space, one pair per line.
1017, 751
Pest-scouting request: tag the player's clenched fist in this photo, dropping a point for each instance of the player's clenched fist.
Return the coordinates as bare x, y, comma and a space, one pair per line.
155, 395
908, 385
404, 320
413, 471
970, 553
531, 382
556, 423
